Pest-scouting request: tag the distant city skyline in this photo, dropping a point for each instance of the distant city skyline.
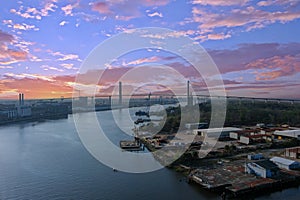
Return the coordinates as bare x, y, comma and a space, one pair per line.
254, 43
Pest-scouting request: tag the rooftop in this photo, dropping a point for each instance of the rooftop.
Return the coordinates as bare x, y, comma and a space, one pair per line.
266, 164
215, 130
288, 132
282, 160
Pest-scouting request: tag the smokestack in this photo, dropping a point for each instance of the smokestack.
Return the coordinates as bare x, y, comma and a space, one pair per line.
20, 99
188, 92
109, 100
120, 93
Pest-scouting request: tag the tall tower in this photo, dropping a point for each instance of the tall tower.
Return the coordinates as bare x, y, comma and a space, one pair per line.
120, 93
20, 99
188, 93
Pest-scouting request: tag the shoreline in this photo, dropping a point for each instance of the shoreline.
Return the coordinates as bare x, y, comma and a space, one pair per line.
245, 185
258, 188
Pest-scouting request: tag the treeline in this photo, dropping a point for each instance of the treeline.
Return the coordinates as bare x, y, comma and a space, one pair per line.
238, 113
251, 113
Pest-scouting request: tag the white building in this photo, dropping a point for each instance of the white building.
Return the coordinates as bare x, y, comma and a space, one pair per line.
288, 133
216, 132
196, 125
284, 163
264, 168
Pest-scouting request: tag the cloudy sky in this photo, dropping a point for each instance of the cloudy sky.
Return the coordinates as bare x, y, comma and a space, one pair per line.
255, 44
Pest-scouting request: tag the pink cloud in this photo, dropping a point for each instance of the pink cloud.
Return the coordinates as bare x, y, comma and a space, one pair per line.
247, 17
102, 8
280, 66
34, 87
68, 9
124, 10
35, 13
239, 59
220, 2
5, 37
8, 55
142, 61
277, 2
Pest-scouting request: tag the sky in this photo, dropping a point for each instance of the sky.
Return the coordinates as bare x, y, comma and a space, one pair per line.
255, 44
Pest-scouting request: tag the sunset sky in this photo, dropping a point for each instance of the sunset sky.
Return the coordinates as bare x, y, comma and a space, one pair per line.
254, 43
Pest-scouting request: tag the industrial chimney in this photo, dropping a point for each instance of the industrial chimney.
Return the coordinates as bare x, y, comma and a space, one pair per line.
120, 93
20, 99
188, 92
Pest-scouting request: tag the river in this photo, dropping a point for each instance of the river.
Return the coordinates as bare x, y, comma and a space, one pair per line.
47, 160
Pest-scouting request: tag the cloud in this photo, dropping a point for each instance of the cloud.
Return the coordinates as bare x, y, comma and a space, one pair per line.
5, 38
170, 34
123, 9
30, 76
265, 90
7, 55
64, 57
276, 66
68, 9
69, 57
278, 2
142, 61
6, 67
218, 36
102, 8
220, 2
47, 67
39, 86
154, 2
155, 14
35, 13
269, 61
35, 86
62, 23
248, 18
89, 18
67, 65
23, 26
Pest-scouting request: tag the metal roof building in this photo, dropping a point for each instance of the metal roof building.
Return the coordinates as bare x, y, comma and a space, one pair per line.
284, 163
288, 133
293, 152
216, 132
264, 168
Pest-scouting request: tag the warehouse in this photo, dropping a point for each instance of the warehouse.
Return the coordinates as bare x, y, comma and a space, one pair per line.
292, 152
221, 133
264, 168
288, 134
284, 163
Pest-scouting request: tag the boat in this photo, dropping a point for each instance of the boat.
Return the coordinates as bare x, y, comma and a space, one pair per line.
142, 113
131, 145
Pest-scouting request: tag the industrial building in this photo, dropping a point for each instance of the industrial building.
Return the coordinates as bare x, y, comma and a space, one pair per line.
263, 168
250, 139
284, 163
292, 153
16, 111
237, 134
196, 126
22, 109
255, 156
287, 134
220, 133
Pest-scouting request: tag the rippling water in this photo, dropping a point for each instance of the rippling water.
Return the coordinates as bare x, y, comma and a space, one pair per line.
47, 161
